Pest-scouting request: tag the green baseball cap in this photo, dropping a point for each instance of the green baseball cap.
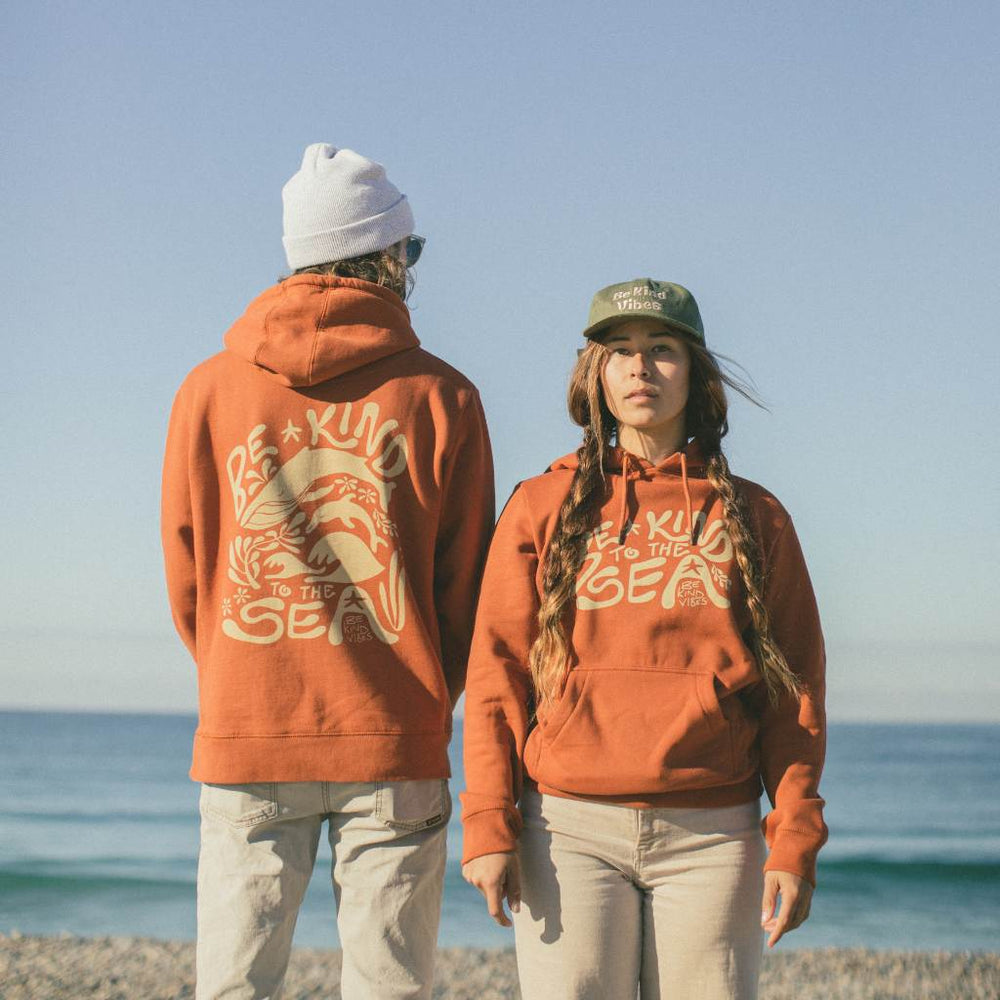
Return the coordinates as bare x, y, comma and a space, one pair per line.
645, 298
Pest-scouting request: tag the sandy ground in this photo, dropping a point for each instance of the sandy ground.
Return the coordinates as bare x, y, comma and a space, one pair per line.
120, 968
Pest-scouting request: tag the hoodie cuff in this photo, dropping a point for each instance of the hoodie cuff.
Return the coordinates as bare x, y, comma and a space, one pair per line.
489, 831
794, 851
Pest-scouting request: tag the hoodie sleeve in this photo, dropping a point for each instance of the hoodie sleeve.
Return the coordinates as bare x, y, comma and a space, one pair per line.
793, 733
177, 524
466, 523
496, 700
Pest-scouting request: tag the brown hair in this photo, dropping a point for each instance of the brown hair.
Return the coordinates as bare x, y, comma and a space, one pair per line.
381, 267
705, 417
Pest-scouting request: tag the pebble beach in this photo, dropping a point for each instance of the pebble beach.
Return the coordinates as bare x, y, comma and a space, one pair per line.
123, 968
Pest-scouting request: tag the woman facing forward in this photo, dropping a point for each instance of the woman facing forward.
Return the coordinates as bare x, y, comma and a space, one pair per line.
647, 654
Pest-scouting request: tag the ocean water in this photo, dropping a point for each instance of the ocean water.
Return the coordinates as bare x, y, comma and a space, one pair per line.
99, 835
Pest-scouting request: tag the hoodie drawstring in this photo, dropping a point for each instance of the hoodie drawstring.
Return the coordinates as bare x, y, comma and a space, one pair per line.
623, 510
623, 524
687, 497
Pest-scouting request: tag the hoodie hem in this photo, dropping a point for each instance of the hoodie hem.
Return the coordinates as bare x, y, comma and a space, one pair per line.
713, 797
329, 757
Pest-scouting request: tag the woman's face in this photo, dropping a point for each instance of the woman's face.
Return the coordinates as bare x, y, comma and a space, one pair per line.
645, 378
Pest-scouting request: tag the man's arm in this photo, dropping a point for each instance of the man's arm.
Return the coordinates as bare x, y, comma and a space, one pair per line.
177, 524
464, 530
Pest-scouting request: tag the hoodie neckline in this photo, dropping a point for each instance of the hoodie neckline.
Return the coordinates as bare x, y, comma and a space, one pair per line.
313, 327
689, 456
644, 469
626, 468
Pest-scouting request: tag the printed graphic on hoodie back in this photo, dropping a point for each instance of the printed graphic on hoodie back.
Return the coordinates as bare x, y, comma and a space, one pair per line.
657, 563
314, 555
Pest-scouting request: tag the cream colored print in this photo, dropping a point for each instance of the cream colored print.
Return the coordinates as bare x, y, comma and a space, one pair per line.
657, 563
692, 585
356, 619
312, 522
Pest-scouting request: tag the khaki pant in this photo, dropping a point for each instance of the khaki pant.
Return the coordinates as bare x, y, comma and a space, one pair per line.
616, 900
258, 848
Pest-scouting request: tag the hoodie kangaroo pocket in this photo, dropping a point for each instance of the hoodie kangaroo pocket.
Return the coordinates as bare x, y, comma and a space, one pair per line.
635, 730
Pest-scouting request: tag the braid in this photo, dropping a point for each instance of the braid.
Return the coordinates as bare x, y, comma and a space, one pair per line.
563, 560
706, 418
549, 653
777, 674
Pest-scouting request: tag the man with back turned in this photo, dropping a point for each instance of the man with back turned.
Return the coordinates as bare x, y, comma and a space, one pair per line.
327, 503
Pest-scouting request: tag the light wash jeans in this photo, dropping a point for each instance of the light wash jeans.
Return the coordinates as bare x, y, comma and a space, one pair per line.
615, 901
258, 848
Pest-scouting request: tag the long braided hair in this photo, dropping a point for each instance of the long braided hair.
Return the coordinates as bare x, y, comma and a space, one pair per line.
706, 419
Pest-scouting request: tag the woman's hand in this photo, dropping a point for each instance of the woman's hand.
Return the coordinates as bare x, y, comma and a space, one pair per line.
496, 876
796, 897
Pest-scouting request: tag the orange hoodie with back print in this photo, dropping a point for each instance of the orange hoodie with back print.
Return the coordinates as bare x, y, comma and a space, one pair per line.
327, 504
663, 704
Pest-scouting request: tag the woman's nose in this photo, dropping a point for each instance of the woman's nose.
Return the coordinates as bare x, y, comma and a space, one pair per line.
640, 364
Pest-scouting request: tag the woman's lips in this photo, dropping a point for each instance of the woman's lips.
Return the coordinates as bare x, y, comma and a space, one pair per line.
641, 394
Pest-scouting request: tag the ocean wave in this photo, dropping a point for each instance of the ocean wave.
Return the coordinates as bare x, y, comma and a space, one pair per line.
82, 883
102, 817
35, 864
948, 870
98, 874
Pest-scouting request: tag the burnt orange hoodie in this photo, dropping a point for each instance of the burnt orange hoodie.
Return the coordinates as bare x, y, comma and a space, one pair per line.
327, 504
664, 704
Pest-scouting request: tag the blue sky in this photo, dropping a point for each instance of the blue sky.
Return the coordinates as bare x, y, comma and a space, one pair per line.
823, 177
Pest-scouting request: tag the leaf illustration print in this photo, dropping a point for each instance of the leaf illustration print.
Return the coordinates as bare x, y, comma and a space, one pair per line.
285, 536
244, 562
386, 526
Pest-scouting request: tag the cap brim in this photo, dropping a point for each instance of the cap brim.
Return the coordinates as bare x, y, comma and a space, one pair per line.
605, 324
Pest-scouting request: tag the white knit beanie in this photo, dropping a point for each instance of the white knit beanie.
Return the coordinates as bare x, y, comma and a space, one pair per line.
340, 204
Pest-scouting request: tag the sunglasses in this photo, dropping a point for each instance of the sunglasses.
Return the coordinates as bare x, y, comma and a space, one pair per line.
412, 249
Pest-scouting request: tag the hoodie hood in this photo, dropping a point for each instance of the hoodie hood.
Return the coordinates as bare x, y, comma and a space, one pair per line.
616, 460
314, 327
627, 468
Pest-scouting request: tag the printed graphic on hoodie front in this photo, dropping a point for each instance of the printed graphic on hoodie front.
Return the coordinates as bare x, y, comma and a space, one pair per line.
657, 562
314, 554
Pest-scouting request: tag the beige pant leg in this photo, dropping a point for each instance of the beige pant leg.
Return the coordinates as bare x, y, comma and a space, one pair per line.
703, 869
579, 932
388, 874
258, 848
